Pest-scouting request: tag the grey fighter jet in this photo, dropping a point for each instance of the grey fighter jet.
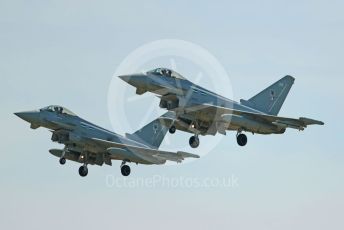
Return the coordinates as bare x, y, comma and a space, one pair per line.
202, 112
87, 143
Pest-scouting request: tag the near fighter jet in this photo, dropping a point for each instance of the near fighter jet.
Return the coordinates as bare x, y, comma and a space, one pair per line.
202, 112
87, 143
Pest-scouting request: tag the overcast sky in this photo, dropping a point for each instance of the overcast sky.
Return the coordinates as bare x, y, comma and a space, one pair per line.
66, 52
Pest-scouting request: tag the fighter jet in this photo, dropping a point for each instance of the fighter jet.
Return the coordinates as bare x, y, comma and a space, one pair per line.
202, 112
87, 143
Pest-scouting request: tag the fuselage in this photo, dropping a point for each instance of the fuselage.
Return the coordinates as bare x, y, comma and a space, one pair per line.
191, 94
82, 128
89, 144
67, 127
77, 134
178, 92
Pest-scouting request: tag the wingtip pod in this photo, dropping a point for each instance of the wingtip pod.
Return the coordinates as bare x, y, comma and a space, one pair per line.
185, 154
309, 121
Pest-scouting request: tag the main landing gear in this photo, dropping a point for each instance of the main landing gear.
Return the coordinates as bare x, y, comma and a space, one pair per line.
241, 139
62, 160
194, 141
83, 170
172, 129
125, 169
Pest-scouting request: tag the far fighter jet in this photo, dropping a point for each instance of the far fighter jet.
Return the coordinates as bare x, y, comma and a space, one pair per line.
202, 112
87, 143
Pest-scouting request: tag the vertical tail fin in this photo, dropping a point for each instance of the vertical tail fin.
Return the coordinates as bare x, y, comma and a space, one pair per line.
271, 99
153, 133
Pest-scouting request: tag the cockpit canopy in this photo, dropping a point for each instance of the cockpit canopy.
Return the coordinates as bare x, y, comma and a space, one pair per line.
58, 109
166, 72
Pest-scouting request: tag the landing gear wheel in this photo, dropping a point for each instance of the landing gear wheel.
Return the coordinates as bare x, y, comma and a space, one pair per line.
83, 171
194, 142
125, 170
62, 161
172, 129
242, 139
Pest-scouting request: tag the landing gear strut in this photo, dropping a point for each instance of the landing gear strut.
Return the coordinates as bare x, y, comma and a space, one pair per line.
83, 170
62, 158
172, 129
241, 139
125, 169
194, 141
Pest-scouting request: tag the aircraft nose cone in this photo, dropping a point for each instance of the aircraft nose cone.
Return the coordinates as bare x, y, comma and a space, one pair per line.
29, 116
125, 78
136, 80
